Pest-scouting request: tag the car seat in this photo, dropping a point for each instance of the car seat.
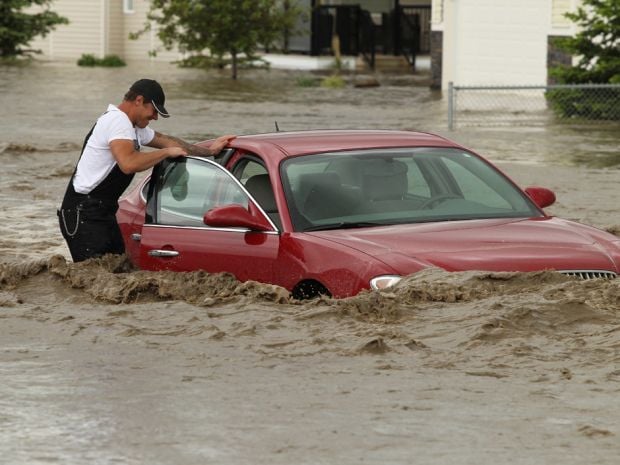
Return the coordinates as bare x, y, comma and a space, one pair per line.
321, 195
384, 180
259, 187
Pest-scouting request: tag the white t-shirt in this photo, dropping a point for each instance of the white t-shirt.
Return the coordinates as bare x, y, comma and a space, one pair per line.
97, 160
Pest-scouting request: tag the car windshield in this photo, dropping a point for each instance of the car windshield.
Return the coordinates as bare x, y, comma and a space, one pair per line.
397, 186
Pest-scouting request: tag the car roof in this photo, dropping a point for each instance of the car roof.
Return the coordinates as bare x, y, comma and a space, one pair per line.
321, 141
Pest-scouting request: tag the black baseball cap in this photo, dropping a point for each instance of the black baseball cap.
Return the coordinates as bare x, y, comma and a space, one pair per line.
152, 93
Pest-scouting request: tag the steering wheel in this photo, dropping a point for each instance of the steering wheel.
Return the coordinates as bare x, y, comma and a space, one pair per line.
436, 200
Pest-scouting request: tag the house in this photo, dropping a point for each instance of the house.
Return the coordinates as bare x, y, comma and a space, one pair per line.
471, 42
497, 42
102, 27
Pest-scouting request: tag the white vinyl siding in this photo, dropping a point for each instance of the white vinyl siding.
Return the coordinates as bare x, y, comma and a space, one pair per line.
83, 34
101, 27
558, 9
139, 49
496, 42
437, 12
116, 28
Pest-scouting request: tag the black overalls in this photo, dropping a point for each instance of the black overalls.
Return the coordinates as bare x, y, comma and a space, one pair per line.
88, 221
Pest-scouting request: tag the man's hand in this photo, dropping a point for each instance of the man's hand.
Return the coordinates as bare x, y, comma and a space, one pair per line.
175, 152
161, 141
219, 143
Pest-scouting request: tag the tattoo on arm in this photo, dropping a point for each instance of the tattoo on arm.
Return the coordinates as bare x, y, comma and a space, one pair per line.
171, 141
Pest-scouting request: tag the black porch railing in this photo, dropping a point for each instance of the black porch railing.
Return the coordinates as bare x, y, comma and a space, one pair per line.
408, 39
353, 27
403, 31
367, 38
422, 13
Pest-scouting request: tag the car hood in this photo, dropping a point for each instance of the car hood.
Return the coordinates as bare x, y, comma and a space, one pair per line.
495, 245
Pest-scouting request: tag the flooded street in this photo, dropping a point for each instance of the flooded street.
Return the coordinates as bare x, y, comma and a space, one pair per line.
103, 364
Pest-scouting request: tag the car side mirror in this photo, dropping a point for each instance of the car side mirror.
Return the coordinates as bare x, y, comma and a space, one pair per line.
236, 216
541, 196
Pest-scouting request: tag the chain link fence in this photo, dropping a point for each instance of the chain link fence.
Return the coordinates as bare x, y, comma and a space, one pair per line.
532, 105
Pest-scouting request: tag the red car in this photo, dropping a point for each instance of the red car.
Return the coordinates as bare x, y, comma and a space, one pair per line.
335, 212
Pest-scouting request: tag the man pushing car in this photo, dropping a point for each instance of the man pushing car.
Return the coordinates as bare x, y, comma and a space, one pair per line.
109, 160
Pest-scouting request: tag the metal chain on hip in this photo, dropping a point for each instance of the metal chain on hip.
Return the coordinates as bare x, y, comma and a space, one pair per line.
64, 222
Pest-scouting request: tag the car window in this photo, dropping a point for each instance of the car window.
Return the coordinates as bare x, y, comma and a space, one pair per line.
248, 169
394, 186
416, 183
255, 178
473, 187
192, 187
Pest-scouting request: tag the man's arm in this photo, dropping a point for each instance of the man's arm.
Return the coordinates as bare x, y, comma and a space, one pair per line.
161, 141
131, 161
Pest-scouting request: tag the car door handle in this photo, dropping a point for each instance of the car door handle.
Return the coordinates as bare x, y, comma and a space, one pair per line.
163, 253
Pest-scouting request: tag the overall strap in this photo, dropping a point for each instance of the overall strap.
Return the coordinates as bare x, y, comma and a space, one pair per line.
71, 197
90, 133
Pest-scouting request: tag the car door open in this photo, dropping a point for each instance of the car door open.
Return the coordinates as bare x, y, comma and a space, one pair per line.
186, 194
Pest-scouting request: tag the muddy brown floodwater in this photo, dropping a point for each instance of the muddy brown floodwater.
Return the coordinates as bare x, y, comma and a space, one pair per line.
102, 364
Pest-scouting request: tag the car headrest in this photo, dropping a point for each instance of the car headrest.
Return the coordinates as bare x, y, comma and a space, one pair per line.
326, 182
384, 180
320, 194
349, 169
259, 186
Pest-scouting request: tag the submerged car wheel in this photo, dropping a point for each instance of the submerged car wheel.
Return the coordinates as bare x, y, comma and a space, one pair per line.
310, 290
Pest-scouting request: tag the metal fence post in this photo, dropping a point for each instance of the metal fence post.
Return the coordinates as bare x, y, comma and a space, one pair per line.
450, 105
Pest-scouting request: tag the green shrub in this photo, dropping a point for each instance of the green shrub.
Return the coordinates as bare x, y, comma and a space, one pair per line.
109, 61
307, 81
112, 61
87, 59
333, 82
589, 104
598, 62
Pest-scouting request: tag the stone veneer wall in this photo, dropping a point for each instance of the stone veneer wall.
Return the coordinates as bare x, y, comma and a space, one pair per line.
436, 58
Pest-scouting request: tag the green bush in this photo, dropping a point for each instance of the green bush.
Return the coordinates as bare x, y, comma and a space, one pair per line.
112, 61
109, 61
23, 20
590, 104
87, 59
333, 82
598, 62
307, 81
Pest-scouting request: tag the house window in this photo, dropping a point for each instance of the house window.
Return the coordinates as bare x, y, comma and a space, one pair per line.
128, 6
